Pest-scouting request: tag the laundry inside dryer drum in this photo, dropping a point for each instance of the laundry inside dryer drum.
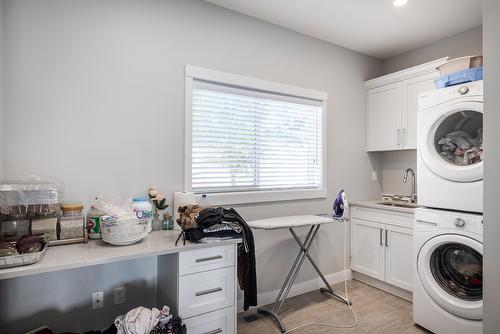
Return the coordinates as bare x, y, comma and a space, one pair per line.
459, 138
458, 269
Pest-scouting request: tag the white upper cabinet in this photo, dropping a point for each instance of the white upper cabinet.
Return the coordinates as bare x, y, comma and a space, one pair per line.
384, 117
392, 103
410, 90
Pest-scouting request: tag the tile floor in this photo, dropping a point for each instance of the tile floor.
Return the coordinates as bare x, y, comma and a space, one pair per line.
378, 312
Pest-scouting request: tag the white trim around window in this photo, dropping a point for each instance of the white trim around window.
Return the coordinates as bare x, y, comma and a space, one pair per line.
195, 75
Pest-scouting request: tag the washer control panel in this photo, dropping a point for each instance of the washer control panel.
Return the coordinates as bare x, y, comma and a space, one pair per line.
448, 220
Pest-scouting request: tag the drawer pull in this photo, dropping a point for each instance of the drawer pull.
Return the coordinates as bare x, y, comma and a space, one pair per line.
210, 258
206, 292
215, 331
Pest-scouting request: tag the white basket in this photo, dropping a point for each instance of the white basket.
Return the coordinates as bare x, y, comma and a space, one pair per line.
121, 232
460, 64
22, 259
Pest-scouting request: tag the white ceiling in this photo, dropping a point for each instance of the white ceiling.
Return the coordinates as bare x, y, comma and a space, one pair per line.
372, 27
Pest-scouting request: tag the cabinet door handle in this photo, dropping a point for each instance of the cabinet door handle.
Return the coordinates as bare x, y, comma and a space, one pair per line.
403, 138
399, 137
380, 236
215, 331
206, 292
386, 243
210, 258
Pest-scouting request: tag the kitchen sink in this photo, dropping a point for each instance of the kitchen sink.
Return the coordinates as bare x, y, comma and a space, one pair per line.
400, 204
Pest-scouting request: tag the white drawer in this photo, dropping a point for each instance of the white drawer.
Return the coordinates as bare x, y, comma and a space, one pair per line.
217, 322
206, 259
206, 292
403, 219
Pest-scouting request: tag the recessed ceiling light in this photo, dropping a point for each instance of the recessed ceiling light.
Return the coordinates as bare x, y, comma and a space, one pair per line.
399, 3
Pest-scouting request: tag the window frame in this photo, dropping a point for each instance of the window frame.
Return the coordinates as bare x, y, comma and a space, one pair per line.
259, 196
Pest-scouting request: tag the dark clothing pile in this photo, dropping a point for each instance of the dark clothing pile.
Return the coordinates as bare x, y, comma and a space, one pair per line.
222, 223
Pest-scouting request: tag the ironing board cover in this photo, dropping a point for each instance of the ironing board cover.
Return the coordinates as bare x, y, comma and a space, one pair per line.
289, 221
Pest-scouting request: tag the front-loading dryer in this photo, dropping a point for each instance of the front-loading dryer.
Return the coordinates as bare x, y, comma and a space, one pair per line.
448, 271
450, 148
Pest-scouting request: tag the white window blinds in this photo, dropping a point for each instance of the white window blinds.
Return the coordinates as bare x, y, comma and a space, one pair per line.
247, 140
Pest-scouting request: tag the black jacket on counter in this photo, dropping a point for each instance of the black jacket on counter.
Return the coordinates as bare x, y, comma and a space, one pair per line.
247, 276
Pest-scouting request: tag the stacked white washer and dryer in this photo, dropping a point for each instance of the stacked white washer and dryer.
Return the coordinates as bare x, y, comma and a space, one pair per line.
448, 235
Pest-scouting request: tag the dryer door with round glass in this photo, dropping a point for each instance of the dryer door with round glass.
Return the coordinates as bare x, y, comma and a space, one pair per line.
450, 268
451, 142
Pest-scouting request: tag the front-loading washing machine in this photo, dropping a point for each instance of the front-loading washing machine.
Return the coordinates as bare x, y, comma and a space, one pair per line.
450, 148
448, 271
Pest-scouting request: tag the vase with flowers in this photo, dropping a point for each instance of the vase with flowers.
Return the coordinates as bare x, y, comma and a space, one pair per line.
158, 201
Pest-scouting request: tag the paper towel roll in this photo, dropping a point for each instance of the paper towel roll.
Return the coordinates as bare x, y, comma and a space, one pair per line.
181, 199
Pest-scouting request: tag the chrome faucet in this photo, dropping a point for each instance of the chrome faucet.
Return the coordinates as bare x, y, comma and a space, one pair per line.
413, 196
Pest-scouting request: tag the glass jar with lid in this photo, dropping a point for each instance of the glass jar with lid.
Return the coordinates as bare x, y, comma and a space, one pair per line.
72, 222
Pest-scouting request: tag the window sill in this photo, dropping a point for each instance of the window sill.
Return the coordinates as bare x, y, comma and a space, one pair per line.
251, 197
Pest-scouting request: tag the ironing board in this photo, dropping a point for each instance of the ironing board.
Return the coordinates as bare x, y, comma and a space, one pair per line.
291, 222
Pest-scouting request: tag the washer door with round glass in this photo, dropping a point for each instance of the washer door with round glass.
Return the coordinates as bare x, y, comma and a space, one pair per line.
450, 268
451, 143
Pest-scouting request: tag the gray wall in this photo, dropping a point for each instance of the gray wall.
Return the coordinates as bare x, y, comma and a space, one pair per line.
394, 164
491, 9
62, 300
94, 96
464, 44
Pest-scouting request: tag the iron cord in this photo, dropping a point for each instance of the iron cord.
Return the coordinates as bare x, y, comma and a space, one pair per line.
355, 317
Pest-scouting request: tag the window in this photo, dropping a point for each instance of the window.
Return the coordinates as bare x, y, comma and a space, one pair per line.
252, 140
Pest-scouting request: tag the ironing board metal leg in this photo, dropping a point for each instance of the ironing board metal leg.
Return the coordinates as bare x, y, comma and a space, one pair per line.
329, 289
302, 258
290, 273
275, 317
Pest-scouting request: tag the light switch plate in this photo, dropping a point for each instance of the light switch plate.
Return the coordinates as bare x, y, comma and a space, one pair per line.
97, 300
374, 176
119, 295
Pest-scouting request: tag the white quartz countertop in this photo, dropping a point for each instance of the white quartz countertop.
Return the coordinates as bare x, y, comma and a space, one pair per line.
375, 204
97, 252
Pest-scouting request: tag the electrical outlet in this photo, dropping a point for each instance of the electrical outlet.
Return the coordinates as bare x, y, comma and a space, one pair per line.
119, 294
97, 300
374, 176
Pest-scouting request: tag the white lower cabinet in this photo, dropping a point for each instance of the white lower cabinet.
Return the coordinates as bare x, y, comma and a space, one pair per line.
205, 292
382, 250
367, 251
218, 322
398, 257
200, 286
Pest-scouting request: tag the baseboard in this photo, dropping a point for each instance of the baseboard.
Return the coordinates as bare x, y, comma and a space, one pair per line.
265, 298
401, 293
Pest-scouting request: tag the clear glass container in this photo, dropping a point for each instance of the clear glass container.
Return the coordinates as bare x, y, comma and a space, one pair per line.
72, 222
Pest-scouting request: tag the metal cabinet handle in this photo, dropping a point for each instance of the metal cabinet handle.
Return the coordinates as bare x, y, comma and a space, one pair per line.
399, 137
210, 258
380, 236
215, 331
206, 292
403, 138
386, 243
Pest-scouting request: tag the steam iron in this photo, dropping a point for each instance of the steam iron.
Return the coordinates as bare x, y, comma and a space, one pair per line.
341, 207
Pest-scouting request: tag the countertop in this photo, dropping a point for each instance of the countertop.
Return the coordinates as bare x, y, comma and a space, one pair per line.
97, 252
374, 204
